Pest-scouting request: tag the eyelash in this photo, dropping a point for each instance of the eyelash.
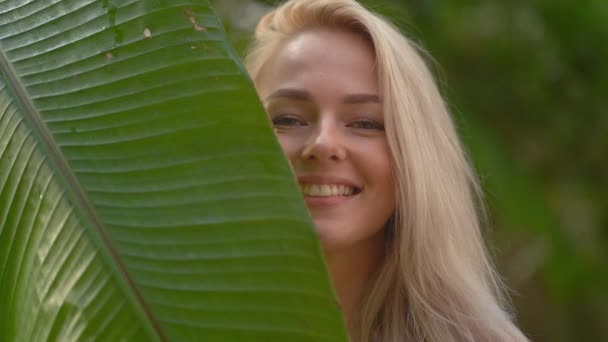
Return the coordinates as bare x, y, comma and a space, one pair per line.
367, 124
287, 120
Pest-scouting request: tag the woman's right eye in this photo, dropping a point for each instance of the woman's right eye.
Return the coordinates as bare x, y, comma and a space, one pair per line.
287, 121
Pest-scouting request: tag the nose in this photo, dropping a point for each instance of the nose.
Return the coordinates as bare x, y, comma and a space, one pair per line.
324, 143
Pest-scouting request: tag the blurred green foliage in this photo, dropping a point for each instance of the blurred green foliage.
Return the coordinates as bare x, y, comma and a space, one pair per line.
527, 82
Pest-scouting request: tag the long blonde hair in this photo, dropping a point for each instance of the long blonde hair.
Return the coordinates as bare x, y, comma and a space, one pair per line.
436, 282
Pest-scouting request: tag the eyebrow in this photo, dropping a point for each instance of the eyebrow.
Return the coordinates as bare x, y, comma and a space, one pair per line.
294, 94
360, 98
302, 95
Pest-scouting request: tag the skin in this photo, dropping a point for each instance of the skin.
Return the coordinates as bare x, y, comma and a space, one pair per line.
321, 92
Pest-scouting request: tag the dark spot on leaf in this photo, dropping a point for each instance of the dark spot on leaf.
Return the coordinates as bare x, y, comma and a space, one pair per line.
189, 15
187, 11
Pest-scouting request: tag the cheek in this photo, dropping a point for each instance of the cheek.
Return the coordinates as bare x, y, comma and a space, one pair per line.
289, 145
385, 171
378, 166
375, 158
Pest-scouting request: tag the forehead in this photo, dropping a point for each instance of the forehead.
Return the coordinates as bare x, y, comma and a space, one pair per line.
321, 54
326, 46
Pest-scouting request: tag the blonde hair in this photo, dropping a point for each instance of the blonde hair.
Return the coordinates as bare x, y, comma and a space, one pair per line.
436, 282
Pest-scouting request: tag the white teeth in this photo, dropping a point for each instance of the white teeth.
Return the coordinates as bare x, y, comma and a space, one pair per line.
326, 190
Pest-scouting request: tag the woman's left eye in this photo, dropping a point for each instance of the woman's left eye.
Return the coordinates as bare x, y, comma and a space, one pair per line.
367, 124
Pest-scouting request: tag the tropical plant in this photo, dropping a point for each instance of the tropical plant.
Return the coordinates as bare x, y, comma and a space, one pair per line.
142, 194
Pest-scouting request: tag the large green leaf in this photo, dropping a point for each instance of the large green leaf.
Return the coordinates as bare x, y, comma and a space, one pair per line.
142, 194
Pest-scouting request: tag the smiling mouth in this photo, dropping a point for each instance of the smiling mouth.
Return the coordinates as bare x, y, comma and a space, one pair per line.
328, 190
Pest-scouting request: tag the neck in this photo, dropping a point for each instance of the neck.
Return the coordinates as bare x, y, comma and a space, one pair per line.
350, 270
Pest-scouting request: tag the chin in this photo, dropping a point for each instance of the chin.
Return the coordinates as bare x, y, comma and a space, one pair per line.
333, 238
347, 237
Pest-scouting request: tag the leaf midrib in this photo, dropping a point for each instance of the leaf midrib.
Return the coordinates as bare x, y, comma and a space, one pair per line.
74, 190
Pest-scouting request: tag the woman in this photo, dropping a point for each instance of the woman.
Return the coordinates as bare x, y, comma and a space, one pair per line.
383, 174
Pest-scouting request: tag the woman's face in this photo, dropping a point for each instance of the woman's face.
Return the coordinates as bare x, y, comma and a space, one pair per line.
321, 92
